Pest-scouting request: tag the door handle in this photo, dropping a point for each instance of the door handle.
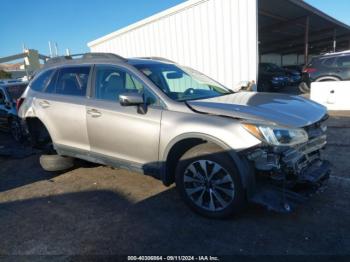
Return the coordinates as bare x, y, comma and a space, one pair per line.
94, 113
44, 104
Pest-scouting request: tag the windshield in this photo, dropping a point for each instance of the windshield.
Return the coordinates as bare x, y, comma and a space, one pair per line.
182, 84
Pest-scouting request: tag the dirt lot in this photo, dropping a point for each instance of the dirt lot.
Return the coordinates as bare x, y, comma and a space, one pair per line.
99, 210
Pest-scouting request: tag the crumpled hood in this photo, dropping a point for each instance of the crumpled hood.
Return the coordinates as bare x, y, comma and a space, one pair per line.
272, 108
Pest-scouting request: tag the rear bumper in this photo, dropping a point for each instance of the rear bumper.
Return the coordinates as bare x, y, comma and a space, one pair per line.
281, 198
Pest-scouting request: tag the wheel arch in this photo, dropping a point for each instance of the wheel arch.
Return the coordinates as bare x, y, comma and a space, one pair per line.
180, 144
34, 122
327, 77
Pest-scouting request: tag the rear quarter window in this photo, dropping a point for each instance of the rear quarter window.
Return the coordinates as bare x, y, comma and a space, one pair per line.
41, 81
70, 81
329, 62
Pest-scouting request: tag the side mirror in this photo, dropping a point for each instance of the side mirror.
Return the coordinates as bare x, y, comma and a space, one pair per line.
131, 99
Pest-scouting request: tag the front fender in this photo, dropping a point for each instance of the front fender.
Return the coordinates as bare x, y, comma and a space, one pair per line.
244, 168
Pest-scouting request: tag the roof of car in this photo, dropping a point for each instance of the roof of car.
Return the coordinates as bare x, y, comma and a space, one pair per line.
14, 83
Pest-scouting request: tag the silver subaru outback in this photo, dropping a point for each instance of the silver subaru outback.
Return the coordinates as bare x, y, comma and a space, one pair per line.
221, 148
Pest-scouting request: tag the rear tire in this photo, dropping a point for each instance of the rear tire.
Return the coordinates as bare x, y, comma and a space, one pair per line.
16, 130
304, 88
208, 181
56, 162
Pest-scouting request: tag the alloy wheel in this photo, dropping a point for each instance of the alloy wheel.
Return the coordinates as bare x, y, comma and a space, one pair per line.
209, 185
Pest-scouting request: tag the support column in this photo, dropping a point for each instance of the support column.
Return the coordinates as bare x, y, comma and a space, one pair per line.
306, 43
334, 40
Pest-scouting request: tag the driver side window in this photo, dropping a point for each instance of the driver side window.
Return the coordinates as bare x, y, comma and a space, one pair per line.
110, 82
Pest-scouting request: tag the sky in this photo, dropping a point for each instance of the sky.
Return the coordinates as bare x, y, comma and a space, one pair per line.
74, 23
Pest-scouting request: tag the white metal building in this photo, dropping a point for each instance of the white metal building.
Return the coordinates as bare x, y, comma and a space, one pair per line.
220, 37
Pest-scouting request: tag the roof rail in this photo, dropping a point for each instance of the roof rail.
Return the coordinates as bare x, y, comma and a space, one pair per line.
84, 56
337, 53
157, 58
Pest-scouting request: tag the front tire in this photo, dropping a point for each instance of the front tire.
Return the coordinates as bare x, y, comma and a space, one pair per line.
209, 182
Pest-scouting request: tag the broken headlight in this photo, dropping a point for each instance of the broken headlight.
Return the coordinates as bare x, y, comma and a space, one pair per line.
277, 136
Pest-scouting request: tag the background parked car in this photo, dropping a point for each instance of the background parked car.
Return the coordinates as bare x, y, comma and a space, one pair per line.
9, 81
298, 68
271, 77
9, 120
329, 67
295, 72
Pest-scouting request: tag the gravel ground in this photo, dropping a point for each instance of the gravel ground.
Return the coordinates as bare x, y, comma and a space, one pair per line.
100, 210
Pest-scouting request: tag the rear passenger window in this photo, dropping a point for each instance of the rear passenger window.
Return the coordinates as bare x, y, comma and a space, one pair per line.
70, 81
41, 81
343, 61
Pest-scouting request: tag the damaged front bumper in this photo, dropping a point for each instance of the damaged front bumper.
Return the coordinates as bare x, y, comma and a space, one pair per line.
286, 177
282, 197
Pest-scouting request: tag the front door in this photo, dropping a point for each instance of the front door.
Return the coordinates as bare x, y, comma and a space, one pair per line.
122, 132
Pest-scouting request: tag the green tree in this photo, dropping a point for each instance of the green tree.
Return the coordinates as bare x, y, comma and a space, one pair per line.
4, 74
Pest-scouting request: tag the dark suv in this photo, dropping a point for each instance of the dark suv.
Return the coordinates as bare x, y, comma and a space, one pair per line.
329, 67
9, 120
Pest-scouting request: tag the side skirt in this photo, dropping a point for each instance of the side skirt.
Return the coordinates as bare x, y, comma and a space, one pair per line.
150, 169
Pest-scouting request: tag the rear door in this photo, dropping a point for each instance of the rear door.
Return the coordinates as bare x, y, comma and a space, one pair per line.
62, 106
119, 132
343, 67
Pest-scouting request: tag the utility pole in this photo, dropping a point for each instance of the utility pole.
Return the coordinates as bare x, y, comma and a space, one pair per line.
306, 43
50, 49
334, 40
56, 49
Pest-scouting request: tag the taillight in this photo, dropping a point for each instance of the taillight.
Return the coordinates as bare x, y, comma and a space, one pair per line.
309, 70
19, 102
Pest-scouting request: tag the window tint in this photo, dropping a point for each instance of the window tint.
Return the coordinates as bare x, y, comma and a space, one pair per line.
343, 61
111, 82
328, 61
41, 81
70, 81
181, 82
